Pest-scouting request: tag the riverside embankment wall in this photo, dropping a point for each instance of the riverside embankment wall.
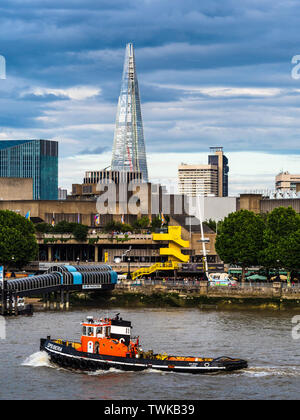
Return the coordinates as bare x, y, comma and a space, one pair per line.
272, 296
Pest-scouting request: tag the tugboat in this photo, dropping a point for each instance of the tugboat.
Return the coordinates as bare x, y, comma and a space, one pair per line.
107, 343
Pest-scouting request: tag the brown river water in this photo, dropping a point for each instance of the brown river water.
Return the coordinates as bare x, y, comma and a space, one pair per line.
264, 338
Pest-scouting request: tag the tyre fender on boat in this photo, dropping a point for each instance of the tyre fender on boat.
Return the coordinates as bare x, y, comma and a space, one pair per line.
83, 364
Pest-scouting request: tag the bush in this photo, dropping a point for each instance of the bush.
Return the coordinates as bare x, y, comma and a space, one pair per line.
43, 228
80, 232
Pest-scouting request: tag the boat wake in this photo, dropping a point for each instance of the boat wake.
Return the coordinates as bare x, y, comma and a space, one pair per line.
42, 359
100, 372
38, 359
283, 371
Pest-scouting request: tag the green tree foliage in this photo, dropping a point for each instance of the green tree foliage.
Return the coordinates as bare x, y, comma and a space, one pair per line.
113, 226
43, 227
281, 239
126, 228
141, 223
155, 223
290, 257
212, 224
240, 239
18, 244
78, 230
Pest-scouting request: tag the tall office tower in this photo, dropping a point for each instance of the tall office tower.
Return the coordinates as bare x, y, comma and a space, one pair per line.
35, 159
221, 161
205, 180
129, 153
195, 180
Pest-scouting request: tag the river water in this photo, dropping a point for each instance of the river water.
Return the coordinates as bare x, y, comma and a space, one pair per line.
264, 338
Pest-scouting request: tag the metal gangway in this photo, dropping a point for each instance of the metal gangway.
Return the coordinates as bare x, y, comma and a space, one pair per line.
58, 278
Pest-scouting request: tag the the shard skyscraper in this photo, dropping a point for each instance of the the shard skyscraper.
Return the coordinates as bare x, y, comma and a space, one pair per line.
129, 153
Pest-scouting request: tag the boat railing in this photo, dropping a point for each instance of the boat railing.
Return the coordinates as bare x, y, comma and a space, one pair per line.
69, 343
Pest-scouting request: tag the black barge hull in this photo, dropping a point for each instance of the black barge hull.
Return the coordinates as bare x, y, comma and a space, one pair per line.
67, 357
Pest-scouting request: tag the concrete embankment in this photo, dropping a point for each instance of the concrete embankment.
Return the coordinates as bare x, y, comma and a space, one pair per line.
270, 296
273, 296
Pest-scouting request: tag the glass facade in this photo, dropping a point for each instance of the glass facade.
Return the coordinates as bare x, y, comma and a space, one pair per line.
221, 161
36, 159
129, 152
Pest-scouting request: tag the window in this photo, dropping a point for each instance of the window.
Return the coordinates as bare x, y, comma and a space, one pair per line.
90, 331
84, 331
99, 330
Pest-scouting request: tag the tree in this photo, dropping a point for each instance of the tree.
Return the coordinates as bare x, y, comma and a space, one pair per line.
18, 244
281, 239
126, 228
141, 223
212, 224
155, 223
290, 251
113, 226
240, 239
80, 232
43, 227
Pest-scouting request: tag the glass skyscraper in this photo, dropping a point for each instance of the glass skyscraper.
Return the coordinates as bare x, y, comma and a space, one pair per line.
36, 159
129, 153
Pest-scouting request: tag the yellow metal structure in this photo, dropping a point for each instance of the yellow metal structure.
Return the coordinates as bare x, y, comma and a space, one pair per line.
173, 251
176, 243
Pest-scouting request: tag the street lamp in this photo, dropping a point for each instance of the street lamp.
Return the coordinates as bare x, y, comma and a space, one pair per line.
3, 297
128, 274
278, 276
117, 260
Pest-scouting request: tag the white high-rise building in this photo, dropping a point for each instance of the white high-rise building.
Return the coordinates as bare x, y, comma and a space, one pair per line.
195, 180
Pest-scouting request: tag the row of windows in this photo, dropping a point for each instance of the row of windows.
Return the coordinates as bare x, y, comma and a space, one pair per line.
34, 159
94, 331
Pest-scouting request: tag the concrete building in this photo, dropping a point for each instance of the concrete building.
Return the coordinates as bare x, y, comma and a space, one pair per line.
100, 245
63, 247
262, 204
217, 208
12, 188
62, 194
285, 181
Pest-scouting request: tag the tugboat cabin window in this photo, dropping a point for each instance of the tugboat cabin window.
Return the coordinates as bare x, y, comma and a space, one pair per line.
90, 331
99, 330
83, 330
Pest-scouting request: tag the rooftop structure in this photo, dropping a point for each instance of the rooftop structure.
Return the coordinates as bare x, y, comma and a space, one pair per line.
285, 181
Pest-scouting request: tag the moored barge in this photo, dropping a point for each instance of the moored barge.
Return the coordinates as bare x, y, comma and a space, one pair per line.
107, 343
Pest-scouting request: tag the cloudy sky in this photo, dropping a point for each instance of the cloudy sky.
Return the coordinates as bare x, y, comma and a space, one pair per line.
211, 73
